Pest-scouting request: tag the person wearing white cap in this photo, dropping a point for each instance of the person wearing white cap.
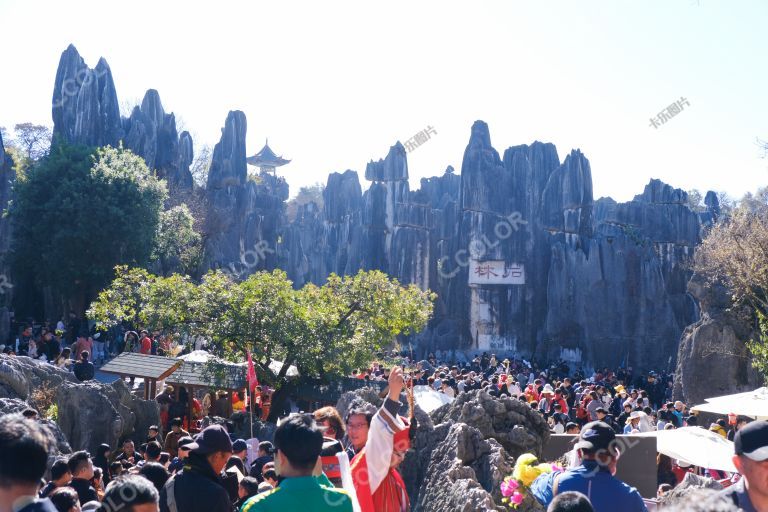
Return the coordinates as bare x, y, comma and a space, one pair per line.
750, 445
547, 399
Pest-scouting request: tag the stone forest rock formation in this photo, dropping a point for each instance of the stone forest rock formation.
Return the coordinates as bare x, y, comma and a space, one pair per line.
523, 257
605, 282
86, 111
89, 413
712, 358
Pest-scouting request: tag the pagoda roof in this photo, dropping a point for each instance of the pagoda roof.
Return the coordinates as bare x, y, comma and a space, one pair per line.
266, 157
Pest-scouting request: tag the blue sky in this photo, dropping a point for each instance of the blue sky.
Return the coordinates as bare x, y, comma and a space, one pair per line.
334, 84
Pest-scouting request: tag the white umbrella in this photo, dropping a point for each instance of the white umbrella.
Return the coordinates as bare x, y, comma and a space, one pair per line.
752, 403
429, 399
202, 356
696, 446
276, 366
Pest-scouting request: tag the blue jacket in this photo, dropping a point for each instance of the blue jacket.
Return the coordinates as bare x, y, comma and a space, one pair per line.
605, 492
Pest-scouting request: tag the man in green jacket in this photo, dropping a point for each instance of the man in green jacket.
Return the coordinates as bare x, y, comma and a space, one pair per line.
299, 443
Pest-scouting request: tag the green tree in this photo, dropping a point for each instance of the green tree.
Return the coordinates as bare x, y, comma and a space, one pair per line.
325, 331
78, 213
178, 247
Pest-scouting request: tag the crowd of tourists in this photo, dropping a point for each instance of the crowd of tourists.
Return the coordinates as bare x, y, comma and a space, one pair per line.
76, 345
322, 461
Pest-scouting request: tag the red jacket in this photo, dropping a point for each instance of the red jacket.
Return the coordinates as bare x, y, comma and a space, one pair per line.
146, 345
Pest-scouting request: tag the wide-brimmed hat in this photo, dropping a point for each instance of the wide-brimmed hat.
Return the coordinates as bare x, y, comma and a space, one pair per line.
547, 390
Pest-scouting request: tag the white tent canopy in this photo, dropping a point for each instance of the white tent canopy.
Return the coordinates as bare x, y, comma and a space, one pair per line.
696, 446
202, 356
429, 399
752, 403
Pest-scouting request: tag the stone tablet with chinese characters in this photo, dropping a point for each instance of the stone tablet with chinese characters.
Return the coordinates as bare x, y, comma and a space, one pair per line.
495, 272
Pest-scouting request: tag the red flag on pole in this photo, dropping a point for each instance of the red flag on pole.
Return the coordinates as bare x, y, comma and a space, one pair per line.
253, 381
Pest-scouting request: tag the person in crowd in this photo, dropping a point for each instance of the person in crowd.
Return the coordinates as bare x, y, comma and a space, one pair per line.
129, 454
270, 476
153, 434
23, 341
132, 493
298, 442
115, 470
183, 452
198, 487
664, 472
330, 419
741, 422
101, 460
247, 488
130, 342
570, 501
84, 369
750, 457
65, 499
239, 455
81, 467
557, 419
64, 359
602, 415
98, 483
52, 346
81, 345
377, 482
152, 453
145, 343
265, 454
60, 477
358, 421
165, 399
572, 428
596, 448
718, 427
172, 438
24, 446
155, 473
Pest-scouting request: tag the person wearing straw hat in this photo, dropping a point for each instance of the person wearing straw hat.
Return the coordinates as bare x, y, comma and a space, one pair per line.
546, 400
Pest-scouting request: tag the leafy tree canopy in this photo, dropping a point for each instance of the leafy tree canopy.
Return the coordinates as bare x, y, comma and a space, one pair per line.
324, 330
79, 212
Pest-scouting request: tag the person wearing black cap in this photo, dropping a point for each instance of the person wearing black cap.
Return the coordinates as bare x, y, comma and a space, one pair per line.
177, 464
239, 454
602, 415
594, 478
750, 445
198, 488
